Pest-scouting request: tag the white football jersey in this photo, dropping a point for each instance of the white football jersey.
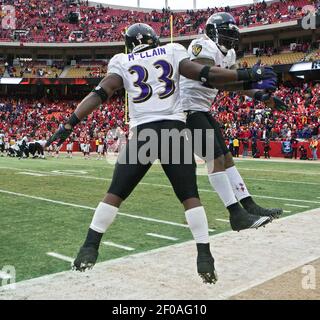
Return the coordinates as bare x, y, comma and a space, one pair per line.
1, 138
194, 95
151, 79
42, 142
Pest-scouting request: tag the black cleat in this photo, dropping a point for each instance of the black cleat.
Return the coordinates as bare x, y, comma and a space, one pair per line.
274, 213
242, 220
205, 264
86, 259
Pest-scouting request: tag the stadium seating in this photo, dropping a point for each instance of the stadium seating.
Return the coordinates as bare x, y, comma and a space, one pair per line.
47, 21
90, 71
283, 58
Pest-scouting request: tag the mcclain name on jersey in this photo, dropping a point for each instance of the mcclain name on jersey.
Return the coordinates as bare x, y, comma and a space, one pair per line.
147, 54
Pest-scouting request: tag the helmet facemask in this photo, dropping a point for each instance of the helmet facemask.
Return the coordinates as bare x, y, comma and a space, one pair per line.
225, 35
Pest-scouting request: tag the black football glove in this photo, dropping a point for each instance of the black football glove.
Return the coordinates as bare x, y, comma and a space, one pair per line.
275, 102
63, 133
279, 104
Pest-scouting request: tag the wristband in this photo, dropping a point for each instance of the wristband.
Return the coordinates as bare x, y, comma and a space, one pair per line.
73, 120
247, 85
243, 75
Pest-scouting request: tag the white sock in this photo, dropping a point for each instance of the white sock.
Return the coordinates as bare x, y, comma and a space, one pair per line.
198, 224
220, 182
103, 217
238, 185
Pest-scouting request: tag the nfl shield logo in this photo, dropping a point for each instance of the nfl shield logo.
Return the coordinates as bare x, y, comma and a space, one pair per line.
196, 49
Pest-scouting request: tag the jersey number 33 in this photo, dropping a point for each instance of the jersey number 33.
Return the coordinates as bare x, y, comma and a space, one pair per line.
146, 89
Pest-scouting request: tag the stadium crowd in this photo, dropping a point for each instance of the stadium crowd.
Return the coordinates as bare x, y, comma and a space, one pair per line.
242, 119
52, 20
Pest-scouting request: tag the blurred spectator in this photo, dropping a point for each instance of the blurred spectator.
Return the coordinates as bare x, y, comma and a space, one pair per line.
314, 148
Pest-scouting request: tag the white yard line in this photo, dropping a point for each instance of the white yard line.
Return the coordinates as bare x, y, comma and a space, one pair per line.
112, 244
281, 171
223, 220
285, 199
295, 205
277, 160
60, 256
35, 174
169, 186
156, 235
90, 208
284, 181
287, 211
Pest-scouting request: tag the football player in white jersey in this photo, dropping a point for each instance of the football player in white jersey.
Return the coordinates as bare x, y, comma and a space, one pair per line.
150, 73
216, 47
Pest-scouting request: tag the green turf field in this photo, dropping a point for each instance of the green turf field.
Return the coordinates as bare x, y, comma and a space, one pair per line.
32, 227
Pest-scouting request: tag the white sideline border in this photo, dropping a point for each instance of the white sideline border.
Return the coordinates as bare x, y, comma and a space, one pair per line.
214, 292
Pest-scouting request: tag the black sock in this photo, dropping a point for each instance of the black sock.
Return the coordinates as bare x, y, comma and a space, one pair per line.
247, 202
93, 239
234, 208
203, 248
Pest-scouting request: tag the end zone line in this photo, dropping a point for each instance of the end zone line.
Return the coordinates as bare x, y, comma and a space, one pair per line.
60, 256
91, 208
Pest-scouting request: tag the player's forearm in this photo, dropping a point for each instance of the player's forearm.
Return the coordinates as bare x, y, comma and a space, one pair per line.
248, 93
101, 93
236, 87
87, 105
220, 76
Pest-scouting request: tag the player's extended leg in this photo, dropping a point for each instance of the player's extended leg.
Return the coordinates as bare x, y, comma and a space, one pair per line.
242, 193
125, 178
212, 153
183, 179
238, 185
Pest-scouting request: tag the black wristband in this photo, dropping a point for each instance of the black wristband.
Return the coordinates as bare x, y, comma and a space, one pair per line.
101, 93
243, 75
204, 75
73, 120
247, 85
